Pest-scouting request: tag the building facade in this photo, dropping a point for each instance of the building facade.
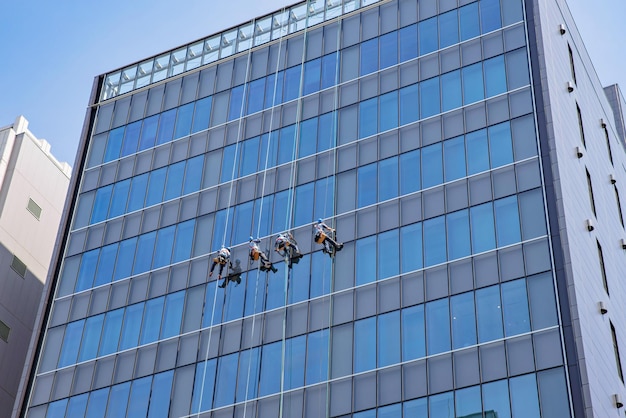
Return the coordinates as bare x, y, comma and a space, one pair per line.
466, 154
33, 185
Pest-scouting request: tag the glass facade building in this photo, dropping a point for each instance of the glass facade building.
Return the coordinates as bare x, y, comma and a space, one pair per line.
413, 128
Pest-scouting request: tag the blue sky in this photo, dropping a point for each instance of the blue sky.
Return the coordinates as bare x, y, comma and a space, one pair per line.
51, 51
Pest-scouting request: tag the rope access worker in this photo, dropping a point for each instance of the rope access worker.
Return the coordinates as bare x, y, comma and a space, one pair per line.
323, 236
286, 245
223, 257
234, 274
257, 254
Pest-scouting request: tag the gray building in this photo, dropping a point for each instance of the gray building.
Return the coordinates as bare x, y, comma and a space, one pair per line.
33, 185
470, 161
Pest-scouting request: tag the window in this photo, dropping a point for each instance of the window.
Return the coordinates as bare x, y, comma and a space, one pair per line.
602, 268
571, 63
4, 332
618, 362
19, 266
608, 145
590, 187
580, 125
34, 208
619, 205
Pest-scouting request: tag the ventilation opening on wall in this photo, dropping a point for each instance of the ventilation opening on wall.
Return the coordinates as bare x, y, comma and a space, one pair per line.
19, 266
34, 208
4, 332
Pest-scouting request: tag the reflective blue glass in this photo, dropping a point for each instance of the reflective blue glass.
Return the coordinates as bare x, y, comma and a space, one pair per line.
458, 234
468, 402
242, 222
327, 131
255, 96
118, 400
312, 76
477, 152
321, 267
145, 249
138, 189
390, 411
91, 338
515, 307
97, 403
317, 357
448, 28
490, 15
295, 349
125, 258
131, 138
369, 56
161, 394
248, 374
249, 156
483, 230
365, 414
416, 408
111, 331
235, 109
77, 406
365, 344
496, 398
388, 179
233, 306
131, 326
120, 196
69, 350
255, 291
202, 115
500, 144
463, 320
388, 49
324, 198
148, 132
227, 380
152, 320
524, 401
183, 120
299, 279
229, 170
495, 76
166, 126
173, 315
441, 405
269, 150
429, 97
438, 326
410, 172
280, 211
139, 397
413, 333
411, 247
292, 83
473, 89
174, 182
432, 166
212, 314
366, 253
87, 270
101, 204
427, 35
262, 223
468, 17
434, 241
275, 293
454, 158
368, 116
409, 104
366, 185
203, 386
193, 174
388, 339
114, 144
489, 314
330, 70
287, 142
304, 204
388, 111
507, 221
388, 260
408, 42
451, 96
274, 89
156, 186
270, 374
308, 138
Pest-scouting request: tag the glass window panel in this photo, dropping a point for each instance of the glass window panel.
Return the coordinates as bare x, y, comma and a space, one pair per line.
388, 339
275, 294
201, 115
91, 338
473, 89
87, 270
156, 186
416, 408
500, 144
495, 76
304, 204
131, 138
111, 332
388, 260
490, 15
203, 386
308, 138
427, 35
434, 241
193, 174
148, 132
468, 402
242, 222
429, 97
119, 199
281, 205
365, 344
317, 357
507, 221
131, 326
139, 397
448, 28
438, 326
235, 109
369, 56
292, 83
441, 405
312, 76
496, 398
114, 144
287, 142
299, 282
249, 156
101, 204
413, 333
388, 111
368, 117
254, 297
174, 183
468, 16
432, 165
366, 190
161, 394
152, 320
388, 179
463, 320
97, 403
125, 258
483, 229
256, 93
274, 89
166, 126
451, 96
408, 42
229, 171
295, 349
57, 409
366, 267
409, 104
145, 249
320, 274
270, 374
118, 400
269, 150
389, 49
212, 313
524, 401
138, 188
248, 375
454, 158
77, 406
515, 307
233, 306
477, 152
324, 198
411, 247
262, 223
410, 172
225, 390
173, 314
330, 70
489, 314
69, 350
458, 234
326, 137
